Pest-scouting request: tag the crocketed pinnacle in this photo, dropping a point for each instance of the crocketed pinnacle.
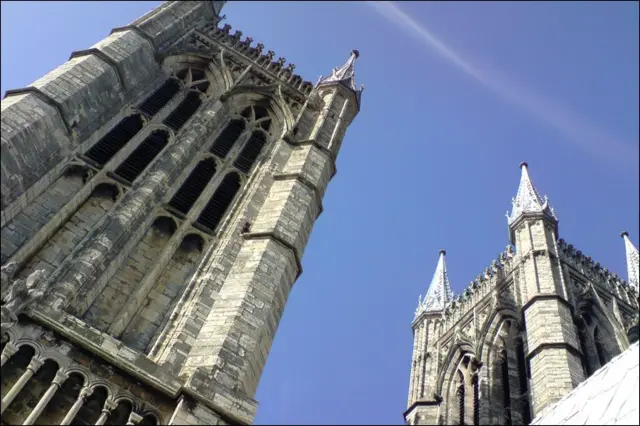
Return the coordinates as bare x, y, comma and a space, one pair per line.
345, 75
528, 200
439, 294
633, 262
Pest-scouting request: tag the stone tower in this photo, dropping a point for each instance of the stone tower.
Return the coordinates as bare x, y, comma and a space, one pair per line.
158, 191
538, 321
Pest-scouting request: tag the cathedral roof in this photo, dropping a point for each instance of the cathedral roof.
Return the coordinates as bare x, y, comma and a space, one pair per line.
633, 262
345, 75
439, 294
528, 200
608, 397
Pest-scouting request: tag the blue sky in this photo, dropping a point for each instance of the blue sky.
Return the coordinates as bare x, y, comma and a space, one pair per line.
457, 95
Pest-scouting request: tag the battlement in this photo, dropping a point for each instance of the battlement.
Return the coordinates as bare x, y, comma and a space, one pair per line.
500, 268
278, 70
591, 269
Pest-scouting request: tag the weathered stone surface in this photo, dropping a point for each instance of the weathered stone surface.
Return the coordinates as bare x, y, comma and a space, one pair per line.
164, 292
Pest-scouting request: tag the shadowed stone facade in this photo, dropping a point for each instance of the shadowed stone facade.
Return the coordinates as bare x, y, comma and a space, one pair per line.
541, 319
158, 191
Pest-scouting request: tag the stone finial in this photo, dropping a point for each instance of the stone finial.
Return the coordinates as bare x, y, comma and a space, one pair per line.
439, 294
528, 200
633, 262
345, 74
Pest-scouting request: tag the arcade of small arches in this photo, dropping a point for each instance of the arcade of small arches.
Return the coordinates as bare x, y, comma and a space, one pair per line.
135, 303
488, 383
40, 386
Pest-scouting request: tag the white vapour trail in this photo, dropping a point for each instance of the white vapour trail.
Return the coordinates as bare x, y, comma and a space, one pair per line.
577, 130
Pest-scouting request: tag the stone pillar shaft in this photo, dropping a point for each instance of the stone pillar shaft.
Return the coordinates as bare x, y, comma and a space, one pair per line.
32, 368
55, 385
84, 394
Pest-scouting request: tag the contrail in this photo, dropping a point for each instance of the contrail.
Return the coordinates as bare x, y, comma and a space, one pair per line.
577, 130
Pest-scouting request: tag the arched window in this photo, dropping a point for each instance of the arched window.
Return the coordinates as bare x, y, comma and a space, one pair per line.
193, 186
506, 388
142, 156
113, 141
217, 206
460, 393
224, 142
160, 97
250, 152
600, 346
184, 111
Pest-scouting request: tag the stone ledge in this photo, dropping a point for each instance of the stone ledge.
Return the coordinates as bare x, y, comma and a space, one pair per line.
104, 58
109, 349
233, 406
304, 182
45, 98
281, 241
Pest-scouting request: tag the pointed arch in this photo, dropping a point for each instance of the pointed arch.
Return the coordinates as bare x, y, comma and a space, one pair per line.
142, 156
161, 97
227, 138
193, 186
219, 203
109, 145
184, 111
250, 152
269, 97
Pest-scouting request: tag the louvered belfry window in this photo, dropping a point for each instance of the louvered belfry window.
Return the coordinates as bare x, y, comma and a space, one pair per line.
113, 141
183, 112
160, 97
217, 206
142, 156
193, 186
250, 152
227, 138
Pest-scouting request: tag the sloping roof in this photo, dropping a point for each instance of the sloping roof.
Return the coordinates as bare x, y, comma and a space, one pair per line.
608, 397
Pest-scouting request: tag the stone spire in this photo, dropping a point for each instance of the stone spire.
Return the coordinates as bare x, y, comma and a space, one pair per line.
633, 262
439, 294
345, 75
528, 200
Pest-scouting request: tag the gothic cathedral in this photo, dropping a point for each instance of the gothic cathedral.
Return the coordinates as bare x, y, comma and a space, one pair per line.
539, 321
158, 191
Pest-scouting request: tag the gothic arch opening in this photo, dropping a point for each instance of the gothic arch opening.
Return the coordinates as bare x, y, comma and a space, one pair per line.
92, 407
115, 139
193, 186
51, 255
115, 296
120, 414
219, 203
12, 370
60, 405
183, 111
30, 395
147, 324
41, 210
160, 98
227, 138
149, 419
142, 156
250, 152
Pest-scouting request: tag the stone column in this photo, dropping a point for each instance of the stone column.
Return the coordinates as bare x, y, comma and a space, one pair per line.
109, 406
84, 394
57, 382
7, 352
134, 419
32, 368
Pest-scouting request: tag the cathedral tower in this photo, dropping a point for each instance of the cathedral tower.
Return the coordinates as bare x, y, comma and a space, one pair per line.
158, 191
526, 331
